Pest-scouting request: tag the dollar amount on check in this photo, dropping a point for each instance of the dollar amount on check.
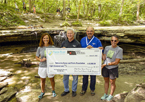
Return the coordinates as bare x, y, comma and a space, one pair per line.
74, 61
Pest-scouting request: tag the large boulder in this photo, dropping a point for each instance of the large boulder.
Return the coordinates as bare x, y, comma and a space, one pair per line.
137, 94
119, 97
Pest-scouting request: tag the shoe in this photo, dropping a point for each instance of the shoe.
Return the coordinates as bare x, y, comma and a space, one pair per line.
109, 98
104, 97
53, 93
82, 93
74, 94
64, 93
41, 95
92, 93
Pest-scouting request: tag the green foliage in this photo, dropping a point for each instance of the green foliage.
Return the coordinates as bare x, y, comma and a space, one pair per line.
109, 9
74, 16
76, 23
105, 23
8, 17
65, 24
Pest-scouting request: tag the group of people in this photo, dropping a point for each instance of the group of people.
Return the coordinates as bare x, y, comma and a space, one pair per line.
24, 8
111, 56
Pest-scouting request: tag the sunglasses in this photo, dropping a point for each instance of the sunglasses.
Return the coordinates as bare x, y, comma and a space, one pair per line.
114, 40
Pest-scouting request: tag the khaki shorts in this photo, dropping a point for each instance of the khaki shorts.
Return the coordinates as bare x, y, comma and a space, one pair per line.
42, 72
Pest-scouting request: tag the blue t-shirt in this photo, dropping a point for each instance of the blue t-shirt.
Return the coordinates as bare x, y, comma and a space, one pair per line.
94, 42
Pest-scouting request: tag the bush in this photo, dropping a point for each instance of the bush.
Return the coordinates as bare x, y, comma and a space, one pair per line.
76, 23
105, 23
65, 24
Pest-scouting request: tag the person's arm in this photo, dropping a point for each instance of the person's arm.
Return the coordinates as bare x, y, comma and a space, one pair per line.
39, 59
116, 62
103, 57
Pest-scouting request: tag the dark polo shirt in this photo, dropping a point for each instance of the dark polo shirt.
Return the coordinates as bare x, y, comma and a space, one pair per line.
72, 44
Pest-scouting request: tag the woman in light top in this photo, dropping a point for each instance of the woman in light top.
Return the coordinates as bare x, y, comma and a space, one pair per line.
45, 42
112, 56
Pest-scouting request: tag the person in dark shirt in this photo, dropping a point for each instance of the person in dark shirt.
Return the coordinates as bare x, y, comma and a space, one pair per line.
58, 11
71, 42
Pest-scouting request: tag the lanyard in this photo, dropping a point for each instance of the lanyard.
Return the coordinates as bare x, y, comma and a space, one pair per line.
89, 41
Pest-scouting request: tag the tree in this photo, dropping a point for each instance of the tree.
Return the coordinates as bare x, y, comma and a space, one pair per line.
138, 7
30, 5
64, 6
121, 8
79, 11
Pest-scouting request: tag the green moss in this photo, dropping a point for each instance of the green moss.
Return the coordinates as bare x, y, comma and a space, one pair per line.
65, 24
8, 16
74, 16
105, 23
76, 23
48, 20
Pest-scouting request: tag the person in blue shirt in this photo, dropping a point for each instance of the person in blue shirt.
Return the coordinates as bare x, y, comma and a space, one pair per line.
90, 41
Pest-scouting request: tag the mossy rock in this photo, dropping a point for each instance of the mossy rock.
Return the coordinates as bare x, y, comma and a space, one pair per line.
76, 23
105, 23
65, 24
74, 16
48, 20
44, 16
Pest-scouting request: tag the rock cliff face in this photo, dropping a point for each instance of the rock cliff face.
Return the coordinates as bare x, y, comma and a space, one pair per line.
132, 34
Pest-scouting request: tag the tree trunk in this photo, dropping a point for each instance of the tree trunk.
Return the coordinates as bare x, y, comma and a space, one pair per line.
76, 4
133, 60
44, 5
121, 8
30, 6
5, 2
94, 9
99, 10
79, 11
64, 9
68, 3
87, 8
1, 1
138, 7
84, 8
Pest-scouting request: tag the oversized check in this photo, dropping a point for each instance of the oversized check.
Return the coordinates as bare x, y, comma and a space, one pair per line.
74, 61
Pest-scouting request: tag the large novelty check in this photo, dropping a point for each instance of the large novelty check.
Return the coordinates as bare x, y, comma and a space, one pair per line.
74, 61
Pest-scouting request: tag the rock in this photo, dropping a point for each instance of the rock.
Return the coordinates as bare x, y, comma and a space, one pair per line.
8, 95
2, 78
136, 95
37, 76
28, 95
3, 90
119, 97
3, 84
4, 73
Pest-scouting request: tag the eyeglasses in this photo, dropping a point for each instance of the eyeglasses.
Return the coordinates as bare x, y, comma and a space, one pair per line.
114, 40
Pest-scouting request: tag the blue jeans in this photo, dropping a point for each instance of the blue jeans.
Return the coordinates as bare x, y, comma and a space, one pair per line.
74, 83
92, 83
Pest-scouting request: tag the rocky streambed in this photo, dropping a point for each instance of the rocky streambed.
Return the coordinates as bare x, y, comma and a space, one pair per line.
24, 86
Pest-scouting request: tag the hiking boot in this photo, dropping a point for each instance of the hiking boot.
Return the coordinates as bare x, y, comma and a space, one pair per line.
82, 93
64, 93
74, 94
92, 93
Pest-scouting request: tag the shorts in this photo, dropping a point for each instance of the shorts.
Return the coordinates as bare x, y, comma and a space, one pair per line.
42, 72
111, 73
24, 8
